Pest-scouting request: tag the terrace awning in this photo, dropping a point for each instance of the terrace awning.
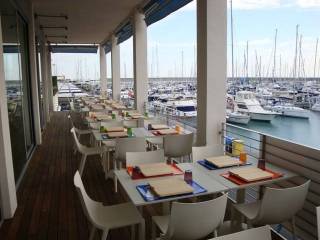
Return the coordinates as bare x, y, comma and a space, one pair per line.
73, 49
156, 10
125, 32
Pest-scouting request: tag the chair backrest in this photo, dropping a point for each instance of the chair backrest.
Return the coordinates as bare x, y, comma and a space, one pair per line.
190, 221
112, 123
178, 145
124, 145
131, 123
94, 125
154, 120
89, 206
134, 158
261, 233
81, 148
281, 204
200, 153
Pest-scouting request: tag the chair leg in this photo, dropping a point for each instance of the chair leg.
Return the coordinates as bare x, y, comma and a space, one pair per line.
92, 233
142, 230
153, 231
105, 234
294, 229
133, 232
115, 180
82, 163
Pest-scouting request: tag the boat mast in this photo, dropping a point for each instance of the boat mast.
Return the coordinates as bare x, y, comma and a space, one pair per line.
247, 63
232, 53
295, 63
274, 55
315, 59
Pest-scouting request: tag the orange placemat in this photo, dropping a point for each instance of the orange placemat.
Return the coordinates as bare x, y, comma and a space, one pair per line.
239, 181
175, 168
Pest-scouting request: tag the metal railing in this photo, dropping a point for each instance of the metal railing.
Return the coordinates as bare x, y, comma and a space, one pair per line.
303, 160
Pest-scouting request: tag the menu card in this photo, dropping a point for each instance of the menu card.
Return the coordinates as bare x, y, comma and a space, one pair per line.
115, 129
159, 126
223, 161
155, 169
170, 187
117, 134
251, 174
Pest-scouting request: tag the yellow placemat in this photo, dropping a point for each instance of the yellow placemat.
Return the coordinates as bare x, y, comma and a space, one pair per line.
170, 187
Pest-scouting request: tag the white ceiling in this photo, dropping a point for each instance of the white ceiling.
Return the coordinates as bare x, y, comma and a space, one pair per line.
89, 21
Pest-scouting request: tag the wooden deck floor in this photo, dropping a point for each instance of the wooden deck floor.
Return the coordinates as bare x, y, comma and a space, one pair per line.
48, 205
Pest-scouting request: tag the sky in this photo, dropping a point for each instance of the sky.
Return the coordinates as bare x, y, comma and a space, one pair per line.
172, 42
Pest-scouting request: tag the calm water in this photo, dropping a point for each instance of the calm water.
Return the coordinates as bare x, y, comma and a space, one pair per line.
302, 131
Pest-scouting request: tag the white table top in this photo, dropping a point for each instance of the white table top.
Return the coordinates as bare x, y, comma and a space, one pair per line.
216, 175
137, 132
203, 180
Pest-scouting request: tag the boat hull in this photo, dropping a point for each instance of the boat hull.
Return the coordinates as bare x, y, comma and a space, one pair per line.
238, 119
265, 117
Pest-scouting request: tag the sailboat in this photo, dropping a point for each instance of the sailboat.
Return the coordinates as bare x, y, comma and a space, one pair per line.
233, 115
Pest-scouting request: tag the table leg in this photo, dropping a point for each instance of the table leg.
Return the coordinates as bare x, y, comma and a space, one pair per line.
166, 208
235, 215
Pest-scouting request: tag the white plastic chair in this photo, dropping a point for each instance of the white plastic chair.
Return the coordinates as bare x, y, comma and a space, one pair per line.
107, 218
278, 205
200, 153
134, 158
191, 221
261, 233
178, 146
86, 151
79, 132
124, 145
130, 123
155, 142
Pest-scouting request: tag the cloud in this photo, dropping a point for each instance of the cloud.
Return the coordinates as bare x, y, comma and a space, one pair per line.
308, 3
255, 4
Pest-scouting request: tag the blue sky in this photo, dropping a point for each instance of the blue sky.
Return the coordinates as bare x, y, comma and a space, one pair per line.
255, 21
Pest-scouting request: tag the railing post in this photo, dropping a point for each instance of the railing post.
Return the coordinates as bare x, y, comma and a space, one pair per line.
263, 146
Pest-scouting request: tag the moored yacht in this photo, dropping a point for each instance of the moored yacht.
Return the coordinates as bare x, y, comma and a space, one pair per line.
289, 110
247, 103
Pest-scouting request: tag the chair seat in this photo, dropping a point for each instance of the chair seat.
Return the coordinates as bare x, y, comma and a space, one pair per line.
94, 150
116, 216
249, 210
162, 222
109, 143
83, 131
155, 141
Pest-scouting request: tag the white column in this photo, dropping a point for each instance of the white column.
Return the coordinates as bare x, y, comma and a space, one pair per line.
103, 71
211, 69
44, 77
115, 65
34, 77
140, 61
7, 182
49, 79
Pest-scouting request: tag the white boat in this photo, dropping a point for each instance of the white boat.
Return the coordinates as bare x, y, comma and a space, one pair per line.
316, 107
236, 117
182, 108
247, 103
290, 111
